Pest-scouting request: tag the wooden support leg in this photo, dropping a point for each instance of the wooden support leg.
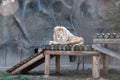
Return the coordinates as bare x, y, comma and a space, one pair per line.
96, 67
105, 64
57, 63
105, 61
47, 64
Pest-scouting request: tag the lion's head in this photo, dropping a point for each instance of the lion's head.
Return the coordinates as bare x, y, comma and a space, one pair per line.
61, 34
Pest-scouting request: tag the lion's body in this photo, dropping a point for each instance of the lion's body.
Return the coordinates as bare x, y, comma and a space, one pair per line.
63, 36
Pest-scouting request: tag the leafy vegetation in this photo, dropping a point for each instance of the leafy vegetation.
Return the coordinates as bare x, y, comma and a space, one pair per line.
117, 2
19, 77
114, 16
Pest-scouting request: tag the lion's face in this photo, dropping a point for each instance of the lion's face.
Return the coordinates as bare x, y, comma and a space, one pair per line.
60, 34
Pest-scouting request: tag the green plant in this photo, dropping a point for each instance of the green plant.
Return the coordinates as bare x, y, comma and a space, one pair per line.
5, 77
114, 16
19, 77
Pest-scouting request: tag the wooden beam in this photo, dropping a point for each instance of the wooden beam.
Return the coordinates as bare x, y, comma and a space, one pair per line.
105, 61
106, 51
106, 41
57, 63
47, 64
72, 53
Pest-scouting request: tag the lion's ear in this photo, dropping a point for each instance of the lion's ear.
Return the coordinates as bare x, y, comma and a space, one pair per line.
55, 28
63, 27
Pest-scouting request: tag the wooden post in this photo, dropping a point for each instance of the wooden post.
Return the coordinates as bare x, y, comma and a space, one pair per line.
96, 67
105, 61
57, 63
105, 64
105, 56
47, 64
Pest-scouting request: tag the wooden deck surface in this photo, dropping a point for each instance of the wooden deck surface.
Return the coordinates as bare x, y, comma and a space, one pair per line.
57, 54
106, 41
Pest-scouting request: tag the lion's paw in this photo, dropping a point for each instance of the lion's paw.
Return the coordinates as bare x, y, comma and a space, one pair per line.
50, 42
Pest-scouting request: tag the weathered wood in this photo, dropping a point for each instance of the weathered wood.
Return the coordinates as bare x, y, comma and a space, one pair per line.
96, 67
57, 63
115, 39
69, 47
106, 51
96, 73
106, 41
47, 64
72, 53
27, 64
105, 62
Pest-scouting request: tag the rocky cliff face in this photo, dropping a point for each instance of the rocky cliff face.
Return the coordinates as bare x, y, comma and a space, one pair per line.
31, 25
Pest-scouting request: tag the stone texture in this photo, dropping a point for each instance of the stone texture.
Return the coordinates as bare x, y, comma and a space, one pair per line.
32, 24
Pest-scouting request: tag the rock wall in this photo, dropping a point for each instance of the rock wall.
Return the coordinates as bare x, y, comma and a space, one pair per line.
32, 24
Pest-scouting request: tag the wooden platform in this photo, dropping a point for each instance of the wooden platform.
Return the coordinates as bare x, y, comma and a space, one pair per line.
104, 49
50, 51
27, 64
57, 54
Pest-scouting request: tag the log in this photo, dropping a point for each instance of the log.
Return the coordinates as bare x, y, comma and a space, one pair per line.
47, 64
105, 64
71, 53
57, 63
96, 67
106, 51
105, 61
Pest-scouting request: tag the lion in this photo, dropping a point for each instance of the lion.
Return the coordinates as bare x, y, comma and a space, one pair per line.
62, 35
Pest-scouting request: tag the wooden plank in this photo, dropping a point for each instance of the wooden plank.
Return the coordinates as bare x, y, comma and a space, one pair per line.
106, 51
96, 67
72, 53
27, 64
57, 63
106, 41
47, 64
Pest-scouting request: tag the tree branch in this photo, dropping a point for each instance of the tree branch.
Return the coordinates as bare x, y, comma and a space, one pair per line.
23, 30
68, 6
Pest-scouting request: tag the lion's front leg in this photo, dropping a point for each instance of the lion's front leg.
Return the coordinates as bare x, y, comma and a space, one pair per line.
53, 42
